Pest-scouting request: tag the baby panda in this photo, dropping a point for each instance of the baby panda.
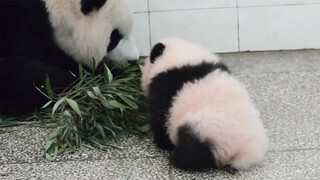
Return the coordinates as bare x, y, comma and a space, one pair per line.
199, 110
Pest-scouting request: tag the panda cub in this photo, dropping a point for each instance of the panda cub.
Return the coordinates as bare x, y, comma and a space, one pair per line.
200, 111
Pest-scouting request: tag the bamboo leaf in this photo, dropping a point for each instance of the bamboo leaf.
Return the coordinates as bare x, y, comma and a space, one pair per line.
88, 146
55, 133
94, 64
144, 128
48, 87
80, 71
100, 128
41, 91
56, 105
97, 91
74, 106
117, 105
95, 110
129, 175
107, 105
90, 94
55, 154
48, 157
132, 68
129, 102
49, 143
141, 67
67, 113
46, 105
107, 74
111, 131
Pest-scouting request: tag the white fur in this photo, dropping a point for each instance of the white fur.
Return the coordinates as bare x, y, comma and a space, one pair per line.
177, 53
217, 107
125, 51
219, 110
86, 37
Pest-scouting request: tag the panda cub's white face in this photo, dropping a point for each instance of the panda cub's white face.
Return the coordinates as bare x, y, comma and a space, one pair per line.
87, 29
173, 53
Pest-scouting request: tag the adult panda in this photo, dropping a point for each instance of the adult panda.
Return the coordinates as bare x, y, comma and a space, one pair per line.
50, 37
199, 110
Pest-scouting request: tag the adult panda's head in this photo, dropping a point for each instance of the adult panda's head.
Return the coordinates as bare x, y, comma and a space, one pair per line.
173, 53
87, 29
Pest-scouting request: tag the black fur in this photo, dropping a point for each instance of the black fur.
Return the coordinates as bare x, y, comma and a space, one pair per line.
26, 31
28, 52
156, 52
88, 6
190, 153
18, 94
164, 87
115, 38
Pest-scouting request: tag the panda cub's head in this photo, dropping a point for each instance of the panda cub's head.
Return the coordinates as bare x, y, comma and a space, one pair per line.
87, 29
173, 53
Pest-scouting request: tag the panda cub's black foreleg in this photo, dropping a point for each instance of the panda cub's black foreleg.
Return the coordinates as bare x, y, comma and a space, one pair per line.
161, 137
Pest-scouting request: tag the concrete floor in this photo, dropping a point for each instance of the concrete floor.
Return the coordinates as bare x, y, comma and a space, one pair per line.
285, 86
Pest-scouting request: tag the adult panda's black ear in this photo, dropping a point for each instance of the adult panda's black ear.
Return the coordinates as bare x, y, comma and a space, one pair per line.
88, 6
156, 52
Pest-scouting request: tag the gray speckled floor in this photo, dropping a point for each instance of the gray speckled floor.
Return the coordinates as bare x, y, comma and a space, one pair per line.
284, 85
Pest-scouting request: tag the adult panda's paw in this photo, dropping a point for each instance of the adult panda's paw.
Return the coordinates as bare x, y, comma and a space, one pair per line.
87, 6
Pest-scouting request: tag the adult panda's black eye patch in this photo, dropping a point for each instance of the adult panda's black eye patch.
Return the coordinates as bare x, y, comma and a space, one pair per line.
156, 52
115, 38
88, 6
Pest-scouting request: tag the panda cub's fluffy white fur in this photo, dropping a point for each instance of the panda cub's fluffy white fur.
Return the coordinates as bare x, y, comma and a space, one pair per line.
199, 110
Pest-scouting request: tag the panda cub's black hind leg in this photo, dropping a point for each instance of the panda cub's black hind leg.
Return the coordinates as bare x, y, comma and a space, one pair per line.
190, 153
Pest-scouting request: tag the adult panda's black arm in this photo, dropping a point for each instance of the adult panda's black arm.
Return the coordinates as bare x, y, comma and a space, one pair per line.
28, 52
26, 31
18, 76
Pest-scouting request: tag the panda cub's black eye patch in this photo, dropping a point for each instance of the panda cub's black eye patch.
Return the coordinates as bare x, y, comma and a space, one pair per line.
156, 52
88, 6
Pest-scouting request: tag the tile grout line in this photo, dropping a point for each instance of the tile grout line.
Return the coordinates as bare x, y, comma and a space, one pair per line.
238, 26
273, 72
149, 21
254, 6
275, 5
193, 9
140, 12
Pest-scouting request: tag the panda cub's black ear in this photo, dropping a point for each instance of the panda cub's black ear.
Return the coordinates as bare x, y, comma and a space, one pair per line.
156, 52
87, 6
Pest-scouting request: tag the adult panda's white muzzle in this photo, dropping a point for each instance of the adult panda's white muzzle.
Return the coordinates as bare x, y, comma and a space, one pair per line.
125, 52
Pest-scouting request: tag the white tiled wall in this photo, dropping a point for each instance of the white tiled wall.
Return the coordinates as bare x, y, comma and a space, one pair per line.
202, 26
229, 25
141, 32
164, 5
138, 5
244, 3
279, 27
